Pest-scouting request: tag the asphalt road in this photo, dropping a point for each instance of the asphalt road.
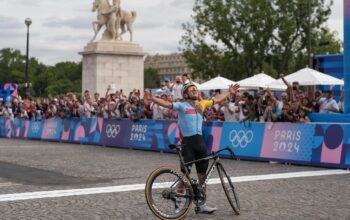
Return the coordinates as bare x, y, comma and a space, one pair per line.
29, 168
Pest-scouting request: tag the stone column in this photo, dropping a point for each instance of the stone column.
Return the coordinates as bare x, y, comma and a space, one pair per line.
116, 62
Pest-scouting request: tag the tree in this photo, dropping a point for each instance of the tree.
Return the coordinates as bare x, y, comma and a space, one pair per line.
151, 78
290, 37
11, 66
327, 42
64, 77
59, 79
238, 38
39, 79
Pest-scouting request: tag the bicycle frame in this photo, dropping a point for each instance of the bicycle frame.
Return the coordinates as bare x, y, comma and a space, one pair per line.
187, 188
209, 171
214, 157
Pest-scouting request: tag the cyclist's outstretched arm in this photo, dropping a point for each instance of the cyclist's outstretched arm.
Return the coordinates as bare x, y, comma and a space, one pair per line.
161, 102
231, 91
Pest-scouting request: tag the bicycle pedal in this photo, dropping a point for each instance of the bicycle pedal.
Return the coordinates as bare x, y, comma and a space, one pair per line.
196, 209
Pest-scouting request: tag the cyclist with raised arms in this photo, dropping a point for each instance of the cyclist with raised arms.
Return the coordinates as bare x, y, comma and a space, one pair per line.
190, 119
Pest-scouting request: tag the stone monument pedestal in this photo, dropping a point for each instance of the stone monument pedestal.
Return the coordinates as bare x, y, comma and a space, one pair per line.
112, 62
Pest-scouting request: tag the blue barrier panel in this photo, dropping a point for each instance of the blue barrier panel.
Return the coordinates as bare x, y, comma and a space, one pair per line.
5, 127
172, 134
329, 117
313, 144
69, 129
345, 161
164, 133
245, 139
141, 133
35, 130
52, 129
149, 135
288, 142
332, 145
115, 133
87, 131
212, 133
19, 128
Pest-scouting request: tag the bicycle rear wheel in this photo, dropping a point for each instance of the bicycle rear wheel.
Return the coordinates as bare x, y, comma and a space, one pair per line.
163, 196
229, 189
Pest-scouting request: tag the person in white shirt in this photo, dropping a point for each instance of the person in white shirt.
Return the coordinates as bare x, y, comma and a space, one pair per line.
7, 111
236, 108
185, 78
176, 89
88, 108
166, 87
229, 109
328, 104
157, 110
113, 111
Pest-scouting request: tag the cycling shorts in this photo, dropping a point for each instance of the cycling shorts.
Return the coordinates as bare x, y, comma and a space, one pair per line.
195, 149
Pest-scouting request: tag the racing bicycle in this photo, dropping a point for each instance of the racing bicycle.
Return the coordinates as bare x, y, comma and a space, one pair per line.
162, 188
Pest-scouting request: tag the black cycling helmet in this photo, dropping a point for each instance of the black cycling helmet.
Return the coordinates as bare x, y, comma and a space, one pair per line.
185, 88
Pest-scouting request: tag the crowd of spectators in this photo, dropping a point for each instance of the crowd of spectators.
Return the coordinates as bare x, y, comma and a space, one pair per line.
293, 105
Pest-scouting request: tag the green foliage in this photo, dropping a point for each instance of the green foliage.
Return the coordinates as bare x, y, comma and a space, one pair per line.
151, 78
239, 38
64, 77
327, 42
12, 65
59, 79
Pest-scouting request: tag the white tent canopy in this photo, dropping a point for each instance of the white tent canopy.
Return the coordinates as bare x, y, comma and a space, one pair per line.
309, 77
260, 80
216, 83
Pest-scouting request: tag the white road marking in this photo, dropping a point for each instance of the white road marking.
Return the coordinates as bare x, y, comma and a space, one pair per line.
8, 184
136, 187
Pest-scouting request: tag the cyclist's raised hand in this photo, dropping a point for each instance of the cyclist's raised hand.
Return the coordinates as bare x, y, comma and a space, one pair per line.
233, 88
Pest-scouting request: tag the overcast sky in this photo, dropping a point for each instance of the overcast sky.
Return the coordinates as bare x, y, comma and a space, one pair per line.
61, 28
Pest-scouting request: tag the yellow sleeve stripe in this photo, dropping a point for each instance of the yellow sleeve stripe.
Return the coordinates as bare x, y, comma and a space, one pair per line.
204, 104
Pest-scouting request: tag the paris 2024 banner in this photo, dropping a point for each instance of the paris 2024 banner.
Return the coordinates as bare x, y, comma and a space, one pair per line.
310, 144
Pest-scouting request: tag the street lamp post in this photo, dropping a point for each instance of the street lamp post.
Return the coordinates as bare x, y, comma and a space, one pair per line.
309, 35
28, 22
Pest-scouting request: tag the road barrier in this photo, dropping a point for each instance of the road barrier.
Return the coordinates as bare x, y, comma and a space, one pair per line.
310, 144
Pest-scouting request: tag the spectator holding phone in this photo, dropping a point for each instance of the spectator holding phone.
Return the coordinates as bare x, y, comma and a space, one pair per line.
328, 103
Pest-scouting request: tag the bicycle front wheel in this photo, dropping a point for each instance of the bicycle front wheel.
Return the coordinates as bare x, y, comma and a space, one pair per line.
229, 189
168, 193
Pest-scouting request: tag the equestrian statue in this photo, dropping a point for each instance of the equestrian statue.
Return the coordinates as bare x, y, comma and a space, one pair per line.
116, 20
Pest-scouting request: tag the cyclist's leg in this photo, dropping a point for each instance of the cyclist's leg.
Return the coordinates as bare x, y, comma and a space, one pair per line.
202, 167
188, 155
200, 151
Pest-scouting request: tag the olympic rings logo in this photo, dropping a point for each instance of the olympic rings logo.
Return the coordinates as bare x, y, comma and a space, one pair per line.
112, 130
36, 127
241, 138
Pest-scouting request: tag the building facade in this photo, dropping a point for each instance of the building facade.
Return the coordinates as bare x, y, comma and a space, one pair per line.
168, 66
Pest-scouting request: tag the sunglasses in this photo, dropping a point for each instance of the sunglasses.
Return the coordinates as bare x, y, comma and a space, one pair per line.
192, 89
